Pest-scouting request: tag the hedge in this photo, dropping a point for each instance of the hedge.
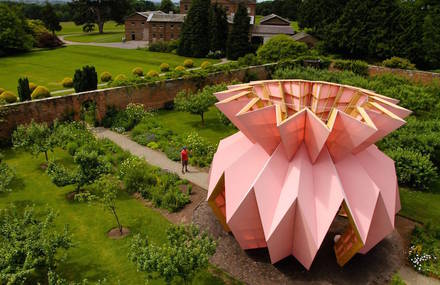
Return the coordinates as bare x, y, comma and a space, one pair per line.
356, 66
152, 73
106, 76
188, 63
137, 71
164, 67
67, 82
9, 97
32, 86
120, 77
40, 92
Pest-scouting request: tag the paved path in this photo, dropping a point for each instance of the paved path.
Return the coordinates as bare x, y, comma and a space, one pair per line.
126, 45
154, 157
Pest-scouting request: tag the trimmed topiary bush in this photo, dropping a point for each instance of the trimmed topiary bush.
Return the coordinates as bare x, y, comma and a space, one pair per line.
164, 67
152, 73
40, 92
280, 47
24, 93
137, 71
179, 68
106, 76
32, 86
356, 66
205, 64
120, 77
398, 62
67, 82
8, 96
188, 63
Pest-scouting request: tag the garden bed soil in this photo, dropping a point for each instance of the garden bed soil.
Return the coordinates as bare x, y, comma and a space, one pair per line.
254, 267
116, 234
183, 216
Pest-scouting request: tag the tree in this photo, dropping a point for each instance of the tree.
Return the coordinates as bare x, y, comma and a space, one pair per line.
141, 6
6, 176
431, 37
167, 6
186, 253
107, 189
50, 19
238, 40
34, 138
219, 28
30, 245
195, 103
85, 79
24, 92
281, 47
99, 11
194, 38
13, 31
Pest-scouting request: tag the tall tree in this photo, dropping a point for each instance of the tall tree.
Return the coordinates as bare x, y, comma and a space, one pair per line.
219, 28
238, 40
141, 6
431, 37
194, 38
99, 11
167, 6
24, 92
50, 19
13, 31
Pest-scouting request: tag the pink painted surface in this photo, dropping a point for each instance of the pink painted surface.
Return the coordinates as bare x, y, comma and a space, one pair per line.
289, 169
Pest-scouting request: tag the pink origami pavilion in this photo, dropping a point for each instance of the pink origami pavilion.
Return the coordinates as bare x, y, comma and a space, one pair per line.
304, 150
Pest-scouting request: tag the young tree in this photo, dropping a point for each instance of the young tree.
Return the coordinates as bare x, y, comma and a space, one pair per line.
195, 103
85, 79
50, 19
24, 92
34, 138
13, 31
194, 38
30, 245
6, 175
186, 253
238, 40
99, 11
166, 6
219, 28
107, 189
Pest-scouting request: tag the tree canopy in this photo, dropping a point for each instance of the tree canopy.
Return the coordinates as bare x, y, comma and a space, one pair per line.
167, 6
238, 40
219, 28
13, 31
50, 19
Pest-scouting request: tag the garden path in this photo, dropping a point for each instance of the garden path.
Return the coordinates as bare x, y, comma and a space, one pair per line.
123, 45
196, 176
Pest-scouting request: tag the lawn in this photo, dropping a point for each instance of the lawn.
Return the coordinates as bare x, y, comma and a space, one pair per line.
69, 28
94, 255
420, 206
108, 37
49, 67
183, 123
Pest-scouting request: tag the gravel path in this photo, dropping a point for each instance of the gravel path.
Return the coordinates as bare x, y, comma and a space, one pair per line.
154, 157
126, 45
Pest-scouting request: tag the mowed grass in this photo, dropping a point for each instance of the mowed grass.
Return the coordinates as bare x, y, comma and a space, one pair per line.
70, 28
183, 123
108, 37
420, 206
94, 256
49, 67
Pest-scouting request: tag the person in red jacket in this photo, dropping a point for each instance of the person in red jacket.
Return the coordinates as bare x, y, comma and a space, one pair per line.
184, 159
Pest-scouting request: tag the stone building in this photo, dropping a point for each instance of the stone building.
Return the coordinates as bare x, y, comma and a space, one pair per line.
153, 26
229, 5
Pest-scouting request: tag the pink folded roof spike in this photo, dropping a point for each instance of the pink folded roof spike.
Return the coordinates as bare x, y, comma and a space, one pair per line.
305, 150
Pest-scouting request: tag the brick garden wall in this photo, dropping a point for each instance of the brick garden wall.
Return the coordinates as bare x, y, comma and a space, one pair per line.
152, 95
413, 75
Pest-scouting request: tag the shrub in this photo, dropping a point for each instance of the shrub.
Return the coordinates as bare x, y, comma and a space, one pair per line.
152, 73
162, 46
6, 177
413, 168
357, 66
32, 86
40, 92
137, 71
205, 65
85, 79
179, 68
424, 251
153, 145
280, 47
67, 82
120, 77
398, 62
188, 63
164, 67
2, 90
106, 76
201, 150
24, 93
248, 60
9, 97
222, 118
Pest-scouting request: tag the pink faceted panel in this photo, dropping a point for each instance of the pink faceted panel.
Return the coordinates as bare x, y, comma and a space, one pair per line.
304, 149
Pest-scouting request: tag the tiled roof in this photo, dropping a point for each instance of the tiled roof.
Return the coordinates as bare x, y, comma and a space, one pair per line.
159, 16
271, 16
301, 35
272, 29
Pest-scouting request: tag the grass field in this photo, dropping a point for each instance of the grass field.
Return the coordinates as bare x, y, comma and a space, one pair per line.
49, 67
69, 28
420, 206
183, 123
94, 255
108, 37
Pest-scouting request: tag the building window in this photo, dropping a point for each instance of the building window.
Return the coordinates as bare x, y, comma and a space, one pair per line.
154, 25
133, 23
143, 23
171, 26
154, 36
161, 36
186, 7
133, 36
